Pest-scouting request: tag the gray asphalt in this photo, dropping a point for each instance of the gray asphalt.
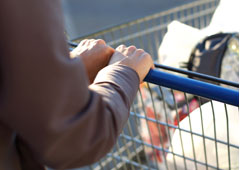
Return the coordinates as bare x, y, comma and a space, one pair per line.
84, 17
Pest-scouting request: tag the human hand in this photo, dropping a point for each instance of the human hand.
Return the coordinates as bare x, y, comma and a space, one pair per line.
137, 59
95, 55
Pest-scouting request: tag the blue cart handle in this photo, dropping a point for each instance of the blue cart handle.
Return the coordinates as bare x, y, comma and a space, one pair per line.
192, 86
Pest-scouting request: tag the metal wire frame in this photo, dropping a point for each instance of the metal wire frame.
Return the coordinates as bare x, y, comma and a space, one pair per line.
135, 140
132, 149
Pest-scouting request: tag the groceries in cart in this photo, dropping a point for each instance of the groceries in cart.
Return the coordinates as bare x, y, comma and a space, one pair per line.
220, 123
155, 108
213, 50
183, 38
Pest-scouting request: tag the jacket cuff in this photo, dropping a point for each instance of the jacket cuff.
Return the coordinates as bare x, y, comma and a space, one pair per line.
121, 76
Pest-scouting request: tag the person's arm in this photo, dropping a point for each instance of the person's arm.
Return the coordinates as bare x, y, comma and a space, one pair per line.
45, 96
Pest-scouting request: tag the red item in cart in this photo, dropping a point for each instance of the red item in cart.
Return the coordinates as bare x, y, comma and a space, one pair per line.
185, 110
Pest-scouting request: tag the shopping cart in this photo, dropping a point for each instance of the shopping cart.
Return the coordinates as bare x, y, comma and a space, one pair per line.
154, 136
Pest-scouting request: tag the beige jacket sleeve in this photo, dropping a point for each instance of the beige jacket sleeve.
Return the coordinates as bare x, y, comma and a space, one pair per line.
45, 96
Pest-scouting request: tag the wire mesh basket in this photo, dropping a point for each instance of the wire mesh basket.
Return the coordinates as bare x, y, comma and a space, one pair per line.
161, 133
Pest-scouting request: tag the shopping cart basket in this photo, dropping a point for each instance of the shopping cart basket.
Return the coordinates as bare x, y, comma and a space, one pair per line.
154, 136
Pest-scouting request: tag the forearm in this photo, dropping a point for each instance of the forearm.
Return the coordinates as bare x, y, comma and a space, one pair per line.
64, 138
93, 131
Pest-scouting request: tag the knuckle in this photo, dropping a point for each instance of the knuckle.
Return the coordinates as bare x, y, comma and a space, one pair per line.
84, 40
146, 56
109, 50
82, 43
100, 41
132, 47
140, 51
121, 47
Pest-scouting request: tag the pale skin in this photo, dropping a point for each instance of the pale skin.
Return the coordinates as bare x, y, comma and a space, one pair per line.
96, 54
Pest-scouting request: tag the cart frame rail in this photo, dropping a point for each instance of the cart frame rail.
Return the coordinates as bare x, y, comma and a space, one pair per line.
150, 135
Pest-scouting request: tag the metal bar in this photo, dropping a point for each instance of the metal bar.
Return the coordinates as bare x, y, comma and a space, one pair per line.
166, 119
156, 36
158, 128
120, 153
215, 133
148, 39
197, 75
127, 145
134, 144
228, 136
179, 130
203, 133
126, 148
148, 129
114, 162
100, 164
121, 162
142, 144
140, 37
190, 126
195, 20
201, 18
195, 87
